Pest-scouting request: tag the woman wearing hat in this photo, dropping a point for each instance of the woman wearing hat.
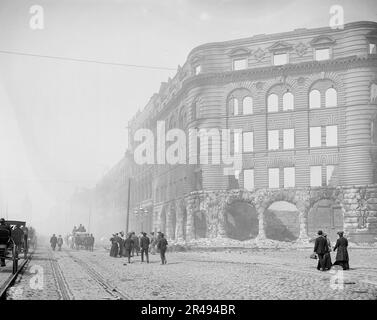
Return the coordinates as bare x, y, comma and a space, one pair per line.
342, 258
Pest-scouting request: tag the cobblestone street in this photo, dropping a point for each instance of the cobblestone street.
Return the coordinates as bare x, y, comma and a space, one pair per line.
235, 274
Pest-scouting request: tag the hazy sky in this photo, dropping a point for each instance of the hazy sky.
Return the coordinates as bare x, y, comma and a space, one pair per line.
63, 123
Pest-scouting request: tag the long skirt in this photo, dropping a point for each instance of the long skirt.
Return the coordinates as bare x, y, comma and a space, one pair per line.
114, 250
344, 264
327, 262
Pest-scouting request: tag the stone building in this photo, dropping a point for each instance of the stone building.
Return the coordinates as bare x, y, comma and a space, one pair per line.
306, 102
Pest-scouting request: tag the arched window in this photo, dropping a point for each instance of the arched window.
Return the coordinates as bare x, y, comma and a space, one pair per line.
247, 105
331, 98
314, 99
273, 103
288, 101
234, 107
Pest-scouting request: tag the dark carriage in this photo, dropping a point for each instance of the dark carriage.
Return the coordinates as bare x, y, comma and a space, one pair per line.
11, 249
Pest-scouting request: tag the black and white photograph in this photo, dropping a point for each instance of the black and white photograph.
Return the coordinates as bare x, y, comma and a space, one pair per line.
188, 150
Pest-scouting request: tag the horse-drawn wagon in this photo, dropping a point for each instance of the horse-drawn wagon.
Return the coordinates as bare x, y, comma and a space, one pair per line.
13, 242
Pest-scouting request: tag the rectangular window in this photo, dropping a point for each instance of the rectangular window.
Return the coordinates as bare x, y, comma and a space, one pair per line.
288, 138
322, 54
248, 179
316, 176
198, 69
239, 64
315, 137
329, 173
280, 59
289, 177
248, 142
273, 140
273, 178
331, 136
372, 48
237, 142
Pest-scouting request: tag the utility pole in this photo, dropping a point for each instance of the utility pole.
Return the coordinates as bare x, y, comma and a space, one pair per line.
90, 214
128, 204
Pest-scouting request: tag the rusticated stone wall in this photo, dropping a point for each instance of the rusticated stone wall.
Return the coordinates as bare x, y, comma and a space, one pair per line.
358, 203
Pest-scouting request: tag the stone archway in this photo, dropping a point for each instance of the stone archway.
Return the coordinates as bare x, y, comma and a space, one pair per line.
325, 215
282, 221
264, 198
241, 221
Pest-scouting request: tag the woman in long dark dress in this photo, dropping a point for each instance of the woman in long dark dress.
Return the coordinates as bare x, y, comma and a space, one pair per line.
114, 246
327, 255
342, 258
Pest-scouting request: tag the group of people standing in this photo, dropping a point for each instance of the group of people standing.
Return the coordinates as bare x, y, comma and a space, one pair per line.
322, 249
127, 246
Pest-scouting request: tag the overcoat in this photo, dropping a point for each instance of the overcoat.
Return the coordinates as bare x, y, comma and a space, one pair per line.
341, 247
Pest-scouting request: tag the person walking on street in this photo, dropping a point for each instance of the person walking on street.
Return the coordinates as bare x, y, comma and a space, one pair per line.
91, 242
128, 245
121, 239
321, 248
136, 246
60, 243
342, 257
144, 246
162, 246
53, 241
327, 255
152, 246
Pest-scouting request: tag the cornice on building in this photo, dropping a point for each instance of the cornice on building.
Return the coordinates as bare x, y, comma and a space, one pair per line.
277, 36
322, 37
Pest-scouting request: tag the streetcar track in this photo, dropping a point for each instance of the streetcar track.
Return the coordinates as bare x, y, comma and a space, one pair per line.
7, 284
61, 283
96, 276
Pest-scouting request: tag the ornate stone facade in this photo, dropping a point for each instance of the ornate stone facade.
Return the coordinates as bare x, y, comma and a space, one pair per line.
214, 204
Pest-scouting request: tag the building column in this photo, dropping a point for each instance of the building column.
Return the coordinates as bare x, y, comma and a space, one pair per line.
179, 209
170, 232
303, 222
261, 231
221, 218
191, 208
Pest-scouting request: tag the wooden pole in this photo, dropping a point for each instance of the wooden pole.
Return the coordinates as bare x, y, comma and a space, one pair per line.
128, 205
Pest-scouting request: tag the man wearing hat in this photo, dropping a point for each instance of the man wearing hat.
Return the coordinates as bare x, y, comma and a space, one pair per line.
5, 234
321, 248
341, 245
144, 246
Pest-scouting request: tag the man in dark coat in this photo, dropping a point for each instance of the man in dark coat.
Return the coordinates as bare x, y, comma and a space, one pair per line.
321, 248
5, 234
128, 245
136, 246
17, 236
341, 245
162, 246
53, 241
144, 246
60, 243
